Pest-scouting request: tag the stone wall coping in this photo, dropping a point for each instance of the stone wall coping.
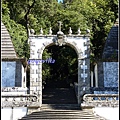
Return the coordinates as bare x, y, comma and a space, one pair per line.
110, 100
20, 100
14, 89
101, 95
27, 95
20, 104
13, 59
22, 60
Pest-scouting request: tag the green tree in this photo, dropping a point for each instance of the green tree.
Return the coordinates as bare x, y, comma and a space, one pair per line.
45, 66
65, 67
17, 32
96, 15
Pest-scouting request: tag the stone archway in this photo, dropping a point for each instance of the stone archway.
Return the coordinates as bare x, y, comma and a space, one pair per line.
80, 43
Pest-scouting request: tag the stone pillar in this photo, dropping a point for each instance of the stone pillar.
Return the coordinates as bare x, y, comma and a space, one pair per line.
34, 75
87, 71
84, 71
32, 79
91, 79
100, 74
39, 87
34, 86
18, 74
96, 75
79, 81
33, 69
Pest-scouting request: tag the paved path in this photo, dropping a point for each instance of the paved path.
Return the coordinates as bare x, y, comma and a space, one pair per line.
58, 92
59, 96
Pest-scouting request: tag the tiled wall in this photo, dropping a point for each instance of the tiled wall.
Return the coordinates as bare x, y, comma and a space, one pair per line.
110, 74
12, 74
8, 74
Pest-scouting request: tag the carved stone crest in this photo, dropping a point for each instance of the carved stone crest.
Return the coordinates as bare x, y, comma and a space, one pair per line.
60, 40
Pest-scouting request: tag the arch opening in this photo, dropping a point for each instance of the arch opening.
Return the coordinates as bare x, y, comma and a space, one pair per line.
58, 78
78, 45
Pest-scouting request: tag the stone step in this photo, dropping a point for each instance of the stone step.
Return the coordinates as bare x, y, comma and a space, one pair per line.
71, 105
62, 112
61, 118
60, 106
70, 115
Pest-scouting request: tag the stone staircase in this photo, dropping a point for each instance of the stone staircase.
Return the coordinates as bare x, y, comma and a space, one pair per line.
59, 103
62, 112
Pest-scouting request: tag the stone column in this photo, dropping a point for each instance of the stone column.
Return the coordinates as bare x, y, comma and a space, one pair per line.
91, 78
33, 77
87, 72
79, 81
39, 90
34, 81
84, 70
39, 87
83, 79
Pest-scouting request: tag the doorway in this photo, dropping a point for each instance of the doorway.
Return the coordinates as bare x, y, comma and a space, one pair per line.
58, 83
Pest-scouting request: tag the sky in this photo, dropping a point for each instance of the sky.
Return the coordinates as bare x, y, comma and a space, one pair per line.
60, 0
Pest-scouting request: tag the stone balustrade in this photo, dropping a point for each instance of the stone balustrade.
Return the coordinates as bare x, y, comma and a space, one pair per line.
19, 100
32, 32
101, 100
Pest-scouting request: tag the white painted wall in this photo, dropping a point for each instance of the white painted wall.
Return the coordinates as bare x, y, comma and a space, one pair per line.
8, 113
110, 113
13, 114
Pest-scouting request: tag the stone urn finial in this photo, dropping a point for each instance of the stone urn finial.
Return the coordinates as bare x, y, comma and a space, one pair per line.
50, 31
32, 31
60, 24
79, 32
70, 31
41, 31
88, 31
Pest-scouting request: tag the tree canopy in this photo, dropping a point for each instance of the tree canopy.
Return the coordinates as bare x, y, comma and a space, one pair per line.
96, 15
